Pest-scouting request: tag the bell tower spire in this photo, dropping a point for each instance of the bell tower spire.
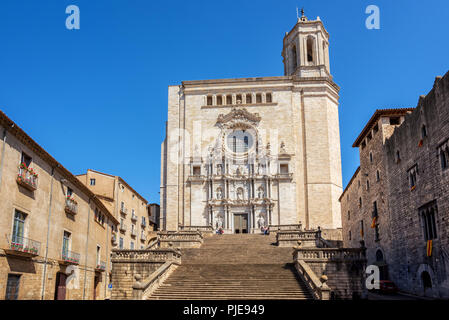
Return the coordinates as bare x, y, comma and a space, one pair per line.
306, 48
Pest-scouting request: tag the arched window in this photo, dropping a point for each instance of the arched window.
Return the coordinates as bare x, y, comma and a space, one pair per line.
379, 255
310, 50
249, 98
426, 280
443, 159
294, 58
219, 100
423, 131
245, 143
209, 100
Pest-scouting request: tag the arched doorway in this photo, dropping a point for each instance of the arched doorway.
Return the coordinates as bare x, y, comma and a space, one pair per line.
382, 264
426, 280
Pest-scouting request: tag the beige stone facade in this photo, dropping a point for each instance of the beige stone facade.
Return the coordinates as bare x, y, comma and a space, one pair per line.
53, 245
244, 153
127, 206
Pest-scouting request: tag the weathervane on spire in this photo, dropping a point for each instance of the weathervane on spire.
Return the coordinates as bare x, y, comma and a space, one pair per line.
302, 14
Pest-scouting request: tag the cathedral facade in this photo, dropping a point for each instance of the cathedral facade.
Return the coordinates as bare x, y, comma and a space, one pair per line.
245, 153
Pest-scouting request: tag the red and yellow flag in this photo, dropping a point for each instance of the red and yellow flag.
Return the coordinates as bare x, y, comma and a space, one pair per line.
373, 224
429, 248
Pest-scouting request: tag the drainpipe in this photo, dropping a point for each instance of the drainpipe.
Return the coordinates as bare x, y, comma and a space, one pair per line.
3, 154
107, 260
48, 233
87, 250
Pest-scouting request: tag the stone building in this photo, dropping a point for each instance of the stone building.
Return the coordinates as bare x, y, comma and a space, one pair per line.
126, 204
364, 199
153, 216
244, 153
56, 234
410, 235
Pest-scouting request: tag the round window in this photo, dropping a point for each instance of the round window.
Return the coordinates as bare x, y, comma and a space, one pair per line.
240, 141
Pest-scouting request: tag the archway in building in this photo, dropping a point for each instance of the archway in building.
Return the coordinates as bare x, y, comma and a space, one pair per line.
382, 264
426, 280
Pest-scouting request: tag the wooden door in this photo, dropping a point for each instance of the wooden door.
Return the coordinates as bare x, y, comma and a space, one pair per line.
60, 289
241, 223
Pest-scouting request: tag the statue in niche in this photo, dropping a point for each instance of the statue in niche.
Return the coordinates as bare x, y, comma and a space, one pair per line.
219, 223
261, 221
219, 171
240, 194
238, 171
219, 193
282, 149
260, 193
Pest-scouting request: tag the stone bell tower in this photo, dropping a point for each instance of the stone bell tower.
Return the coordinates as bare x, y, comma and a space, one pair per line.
306, 49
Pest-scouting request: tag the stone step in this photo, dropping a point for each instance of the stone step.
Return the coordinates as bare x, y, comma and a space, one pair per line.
234, 267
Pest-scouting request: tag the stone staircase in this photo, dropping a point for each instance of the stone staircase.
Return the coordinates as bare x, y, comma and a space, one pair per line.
234, 266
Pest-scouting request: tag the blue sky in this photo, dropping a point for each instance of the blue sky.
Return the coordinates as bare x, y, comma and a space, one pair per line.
97, 97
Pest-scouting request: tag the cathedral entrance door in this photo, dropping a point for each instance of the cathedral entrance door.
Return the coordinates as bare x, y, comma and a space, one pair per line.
240, 223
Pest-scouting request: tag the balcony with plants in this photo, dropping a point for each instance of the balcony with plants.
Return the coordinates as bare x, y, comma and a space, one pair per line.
69, 257
71, 206
22, 246
27, 177
101, 266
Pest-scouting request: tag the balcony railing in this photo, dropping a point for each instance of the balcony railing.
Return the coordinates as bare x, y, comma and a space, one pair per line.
134, 217
124, 210
101, 266
70, 257
71, 206
23, 246
27, 178
123, 227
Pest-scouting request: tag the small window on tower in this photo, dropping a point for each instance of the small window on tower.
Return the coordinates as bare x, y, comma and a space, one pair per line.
310, 50
209, 100
294, 58
269, 98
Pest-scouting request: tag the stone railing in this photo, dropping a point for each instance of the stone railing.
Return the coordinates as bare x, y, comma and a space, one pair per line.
204, 229
155, 255
285, 227
318, 287
129, 267
294, 238
180, 239
344, 267
329, 254
143, 289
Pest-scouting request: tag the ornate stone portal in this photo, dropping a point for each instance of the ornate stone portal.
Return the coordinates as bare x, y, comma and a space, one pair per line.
238, 176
